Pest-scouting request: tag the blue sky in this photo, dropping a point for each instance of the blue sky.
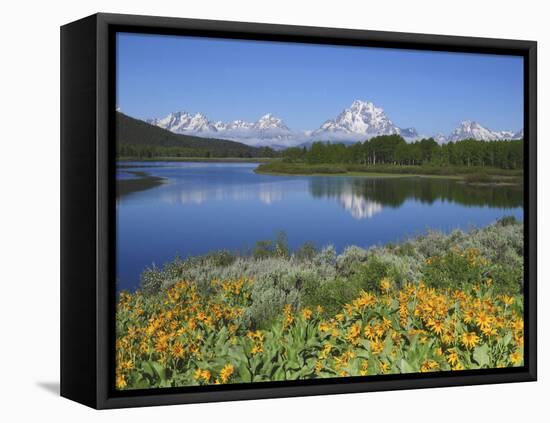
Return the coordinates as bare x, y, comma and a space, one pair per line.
307, 84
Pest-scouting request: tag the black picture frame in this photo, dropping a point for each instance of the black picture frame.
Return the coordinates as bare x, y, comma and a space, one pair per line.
88, 218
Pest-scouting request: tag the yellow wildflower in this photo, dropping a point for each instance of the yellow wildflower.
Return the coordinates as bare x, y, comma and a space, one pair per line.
429, 366
470, 339
354, 332
327, 348
226, 372
376, 346
483, 320
468, 316
516, 357
385, 284
324, 327
506, 299
452, 357
364, 368
318, 366
258, 348
306, 313
436, 326
365, 300
177, 350
384, 367
127, 365
370, 333
458, 366
205, 375
289, 318
120, 381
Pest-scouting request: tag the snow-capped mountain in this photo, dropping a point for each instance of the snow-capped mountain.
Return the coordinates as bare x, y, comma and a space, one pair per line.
440, 138
362, 119
269, 122
183, 122
518, 135
469, 129
262, 132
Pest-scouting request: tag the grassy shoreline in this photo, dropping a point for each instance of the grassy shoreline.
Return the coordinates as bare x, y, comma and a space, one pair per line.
472, 175
197, 159
273, 166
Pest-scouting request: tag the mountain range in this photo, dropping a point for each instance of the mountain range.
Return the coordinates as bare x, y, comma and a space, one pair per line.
472, 130
269, 130
360, 121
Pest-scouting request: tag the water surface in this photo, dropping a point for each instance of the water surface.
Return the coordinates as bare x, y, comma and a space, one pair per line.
210, 206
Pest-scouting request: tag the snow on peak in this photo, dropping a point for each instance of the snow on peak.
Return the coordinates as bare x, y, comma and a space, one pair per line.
269, 121
362, 119
267, 127
469, 129
440, 138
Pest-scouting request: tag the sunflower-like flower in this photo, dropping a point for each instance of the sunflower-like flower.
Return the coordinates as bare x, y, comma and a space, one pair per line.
226, 372
469, 339
307, 313
516, 357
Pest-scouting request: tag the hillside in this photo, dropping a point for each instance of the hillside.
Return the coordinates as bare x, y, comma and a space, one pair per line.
136, 138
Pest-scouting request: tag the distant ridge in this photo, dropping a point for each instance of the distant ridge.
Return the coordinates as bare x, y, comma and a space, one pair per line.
472, 130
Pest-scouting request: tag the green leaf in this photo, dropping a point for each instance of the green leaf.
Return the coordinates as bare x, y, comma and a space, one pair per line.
507, 339
159, 370
481, 355
148, 369
279, 374
244, 372
405, 367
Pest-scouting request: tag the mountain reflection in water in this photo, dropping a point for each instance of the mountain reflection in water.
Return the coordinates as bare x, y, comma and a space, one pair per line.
364, 197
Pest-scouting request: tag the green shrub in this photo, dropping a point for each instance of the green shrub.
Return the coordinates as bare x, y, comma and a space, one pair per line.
372, 273
271, 292
306, 252
152, 279
221, 258
455, 269
268, 248
507, 221
350, 261
263, 249
331, 295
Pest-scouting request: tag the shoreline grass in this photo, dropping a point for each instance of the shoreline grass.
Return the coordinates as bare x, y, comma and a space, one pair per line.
197, 159
473, 175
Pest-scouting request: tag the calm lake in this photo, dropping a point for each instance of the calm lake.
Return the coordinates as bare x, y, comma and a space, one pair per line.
211, 206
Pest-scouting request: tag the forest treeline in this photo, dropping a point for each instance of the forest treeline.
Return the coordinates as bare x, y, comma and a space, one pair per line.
394, 150
152, 151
